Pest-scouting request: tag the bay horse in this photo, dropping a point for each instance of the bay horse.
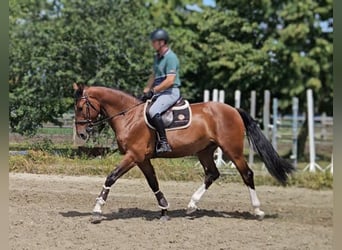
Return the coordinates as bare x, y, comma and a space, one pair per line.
213, 125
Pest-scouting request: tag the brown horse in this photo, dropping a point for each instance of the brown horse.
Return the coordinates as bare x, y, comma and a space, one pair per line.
213, 125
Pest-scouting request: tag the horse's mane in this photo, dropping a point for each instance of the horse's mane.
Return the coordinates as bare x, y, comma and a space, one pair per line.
79, 92
121, 92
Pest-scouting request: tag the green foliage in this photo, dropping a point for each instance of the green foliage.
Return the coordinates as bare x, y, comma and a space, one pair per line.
102, 42
317, 180
46, 145
259, 45
246, 45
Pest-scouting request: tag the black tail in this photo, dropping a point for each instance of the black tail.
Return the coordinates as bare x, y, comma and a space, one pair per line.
278, 167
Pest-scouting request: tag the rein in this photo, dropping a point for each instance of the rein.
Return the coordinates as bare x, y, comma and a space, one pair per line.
99, 122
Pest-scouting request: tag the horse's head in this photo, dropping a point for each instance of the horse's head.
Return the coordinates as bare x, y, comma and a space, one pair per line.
87, 109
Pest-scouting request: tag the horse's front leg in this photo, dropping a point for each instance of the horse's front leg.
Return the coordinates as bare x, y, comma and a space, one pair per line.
150, 175
126, 164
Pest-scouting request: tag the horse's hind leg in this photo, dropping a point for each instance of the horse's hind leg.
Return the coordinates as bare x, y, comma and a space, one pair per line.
206, 158
247, 176
148, 171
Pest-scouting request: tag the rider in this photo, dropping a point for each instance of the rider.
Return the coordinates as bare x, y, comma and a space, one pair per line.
163, 84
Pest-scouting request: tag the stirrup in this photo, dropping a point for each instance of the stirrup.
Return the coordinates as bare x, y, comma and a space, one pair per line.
163, 147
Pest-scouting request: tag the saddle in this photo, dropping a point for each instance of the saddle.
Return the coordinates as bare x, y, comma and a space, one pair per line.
177, 116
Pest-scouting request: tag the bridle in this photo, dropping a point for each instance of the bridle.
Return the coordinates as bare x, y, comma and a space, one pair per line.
89, 122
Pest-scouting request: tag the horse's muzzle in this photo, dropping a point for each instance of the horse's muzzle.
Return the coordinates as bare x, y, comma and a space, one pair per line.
89, 129
83, 136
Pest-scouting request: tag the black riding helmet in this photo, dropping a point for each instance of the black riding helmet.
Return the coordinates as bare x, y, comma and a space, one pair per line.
159, 34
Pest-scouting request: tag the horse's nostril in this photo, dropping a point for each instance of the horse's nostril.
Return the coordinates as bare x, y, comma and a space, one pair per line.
83, 136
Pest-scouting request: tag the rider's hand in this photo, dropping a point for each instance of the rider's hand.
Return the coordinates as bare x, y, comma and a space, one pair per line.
147, 95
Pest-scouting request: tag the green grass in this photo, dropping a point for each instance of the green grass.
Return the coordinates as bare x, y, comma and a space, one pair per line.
49, 157
55, 131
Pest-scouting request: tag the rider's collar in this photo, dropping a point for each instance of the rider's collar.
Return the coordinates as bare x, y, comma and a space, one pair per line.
163, 53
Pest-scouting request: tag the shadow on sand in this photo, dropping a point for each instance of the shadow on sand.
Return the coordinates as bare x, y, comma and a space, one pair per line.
129, 213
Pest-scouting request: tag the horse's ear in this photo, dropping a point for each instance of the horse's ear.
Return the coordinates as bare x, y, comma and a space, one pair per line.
76, 86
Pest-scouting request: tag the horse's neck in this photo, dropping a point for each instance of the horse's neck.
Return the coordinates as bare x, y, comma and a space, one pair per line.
113, 100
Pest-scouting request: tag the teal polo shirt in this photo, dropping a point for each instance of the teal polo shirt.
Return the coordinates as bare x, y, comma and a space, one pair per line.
167, 64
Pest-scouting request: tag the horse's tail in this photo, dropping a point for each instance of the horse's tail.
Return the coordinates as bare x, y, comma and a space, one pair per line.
278, 167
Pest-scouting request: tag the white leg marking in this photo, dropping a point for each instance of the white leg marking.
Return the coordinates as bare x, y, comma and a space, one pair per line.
254, 198
99, 203
195, 198
256, 204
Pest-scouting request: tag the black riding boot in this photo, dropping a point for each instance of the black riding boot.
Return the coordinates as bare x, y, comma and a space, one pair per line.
163, 145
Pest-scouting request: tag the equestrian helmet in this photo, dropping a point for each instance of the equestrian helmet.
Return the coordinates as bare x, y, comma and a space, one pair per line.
159, 34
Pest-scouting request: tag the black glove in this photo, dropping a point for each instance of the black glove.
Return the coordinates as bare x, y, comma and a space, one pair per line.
146, 96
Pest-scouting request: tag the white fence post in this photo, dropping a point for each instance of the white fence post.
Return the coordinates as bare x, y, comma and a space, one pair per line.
237, 98
311, 123
206, 95
253, 105
295, 103
252, 112
215, 95
221, 96
331, 165
275, 119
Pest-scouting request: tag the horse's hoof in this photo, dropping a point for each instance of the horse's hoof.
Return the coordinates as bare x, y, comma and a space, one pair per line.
190, 210
164, 218
96, 218
260, 215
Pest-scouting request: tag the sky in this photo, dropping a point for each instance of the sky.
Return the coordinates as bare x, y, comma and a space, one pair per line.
205, 2
209, 2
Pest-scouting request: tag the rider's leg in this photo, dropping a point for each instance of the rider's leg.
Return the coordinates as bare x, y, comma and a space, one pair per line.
163, 143
165, 100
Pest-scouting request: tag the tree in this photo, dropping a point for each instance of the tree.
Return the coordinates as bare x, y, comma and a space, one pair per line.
35, 96
238, 44
55, 43
258, 45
